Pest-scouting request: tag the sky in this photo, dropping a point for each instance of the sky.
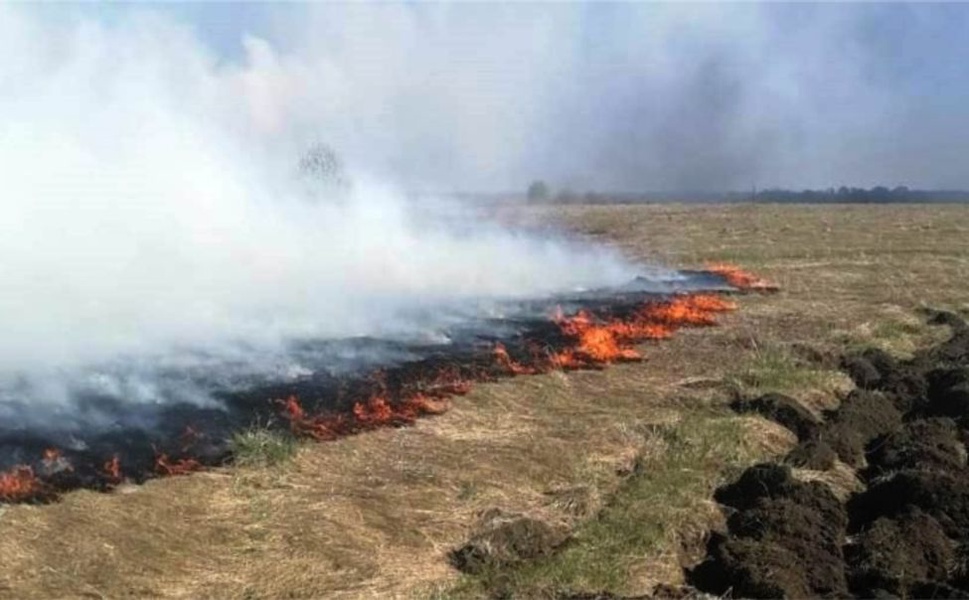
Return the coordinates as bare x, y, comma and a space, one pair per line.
593, 96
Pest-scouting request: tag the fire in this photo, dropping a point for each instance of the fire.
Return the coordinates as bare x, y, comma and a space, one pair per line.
54, 461
595, 343
741, 279
587, 339
694, 309
448, 382
167, 466
19, 483
603, 342
112, 469
367, 415
506, 362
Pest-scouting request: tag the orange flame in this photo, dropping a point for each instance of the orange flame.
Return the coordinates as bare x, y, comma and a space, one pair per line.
19, 483
166, 466
373, 413
112, 469
448, 382
593, 342
598, 343
741, 279
54, 461
505, 361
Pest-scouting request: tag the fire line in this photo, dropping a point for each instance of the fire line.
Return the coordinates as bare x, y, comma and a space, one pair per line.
588, 338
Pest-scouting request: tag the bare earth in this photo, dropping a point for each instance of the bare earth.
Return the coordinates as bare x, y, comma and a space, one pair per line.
378, 513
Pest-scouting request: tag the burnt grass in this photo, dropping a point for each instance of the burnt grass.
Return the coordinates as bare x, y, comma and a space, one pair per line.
904, 430
194, 437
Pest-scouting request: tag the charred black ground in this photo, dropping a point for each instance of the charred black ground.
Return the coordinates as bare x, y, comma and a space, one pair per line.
139, 442
905, 430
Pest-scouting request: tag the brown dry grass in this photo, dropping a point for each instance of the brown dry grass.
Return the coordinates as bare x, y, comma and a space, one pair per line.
376, 514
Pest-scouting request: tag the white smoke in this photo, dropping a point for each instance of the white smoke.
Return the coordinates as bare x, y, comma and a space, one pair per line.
150, 216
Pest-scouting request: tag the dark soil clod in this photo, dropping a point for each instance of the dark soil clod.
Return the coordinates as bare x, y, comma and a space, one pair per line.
891, 554
944, 496
926, 444
785, 411
816, 455
504, 539
907, 424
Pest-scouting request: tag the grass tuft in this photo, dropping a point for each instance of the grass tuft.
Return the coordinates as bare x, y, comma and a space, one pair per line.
774, 369
262, 447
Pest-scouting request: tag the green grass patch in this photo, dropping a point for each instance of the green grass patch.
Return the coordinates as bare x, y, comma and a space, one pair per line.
900, 338
667, 494
774, 369
262, 447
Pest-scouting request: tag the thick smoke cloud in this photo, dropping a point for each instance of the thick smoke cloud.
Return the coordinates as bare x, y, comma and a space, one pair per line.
147, 155
690, 96
153, 218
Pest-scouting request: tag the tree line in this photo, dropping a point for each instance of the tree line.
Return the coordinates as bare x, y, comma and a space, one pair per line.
541, 192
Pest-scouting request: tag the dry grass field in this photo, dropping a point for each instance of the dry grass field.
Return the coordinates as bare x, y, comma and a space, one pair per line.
625, 458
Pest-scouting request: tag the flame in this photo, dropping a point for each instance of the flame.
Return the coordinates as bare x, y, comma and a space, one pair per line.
112, 469
19, 483
448, 382
594, 343
598, 343
374, 413
741, 279
53, 461
505, 361
587, 340
167, 466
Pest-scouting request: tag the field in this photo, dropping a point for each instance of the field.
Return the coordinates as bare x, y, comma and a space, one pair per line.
623, 459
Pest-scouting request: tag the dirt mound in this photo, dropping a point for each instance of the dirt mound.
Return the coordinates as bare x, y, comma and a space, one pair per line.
863, 416
791, 524
771, 480
869, 413
942, 495
749, 568
812, 454
785, 539
877, 561
948, 392
783, 410
875, 369
955, 350
908, 421
935, 589
925, 444
503, 539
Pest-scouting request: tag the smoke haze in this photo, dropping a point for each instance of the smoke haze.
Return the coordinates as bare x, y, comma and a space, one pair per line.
152, 214
147, 155
616, 96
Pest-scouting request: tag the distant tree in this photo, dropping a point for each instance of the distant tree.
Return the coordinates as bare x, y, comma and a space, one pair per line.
323, 171
538, 191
